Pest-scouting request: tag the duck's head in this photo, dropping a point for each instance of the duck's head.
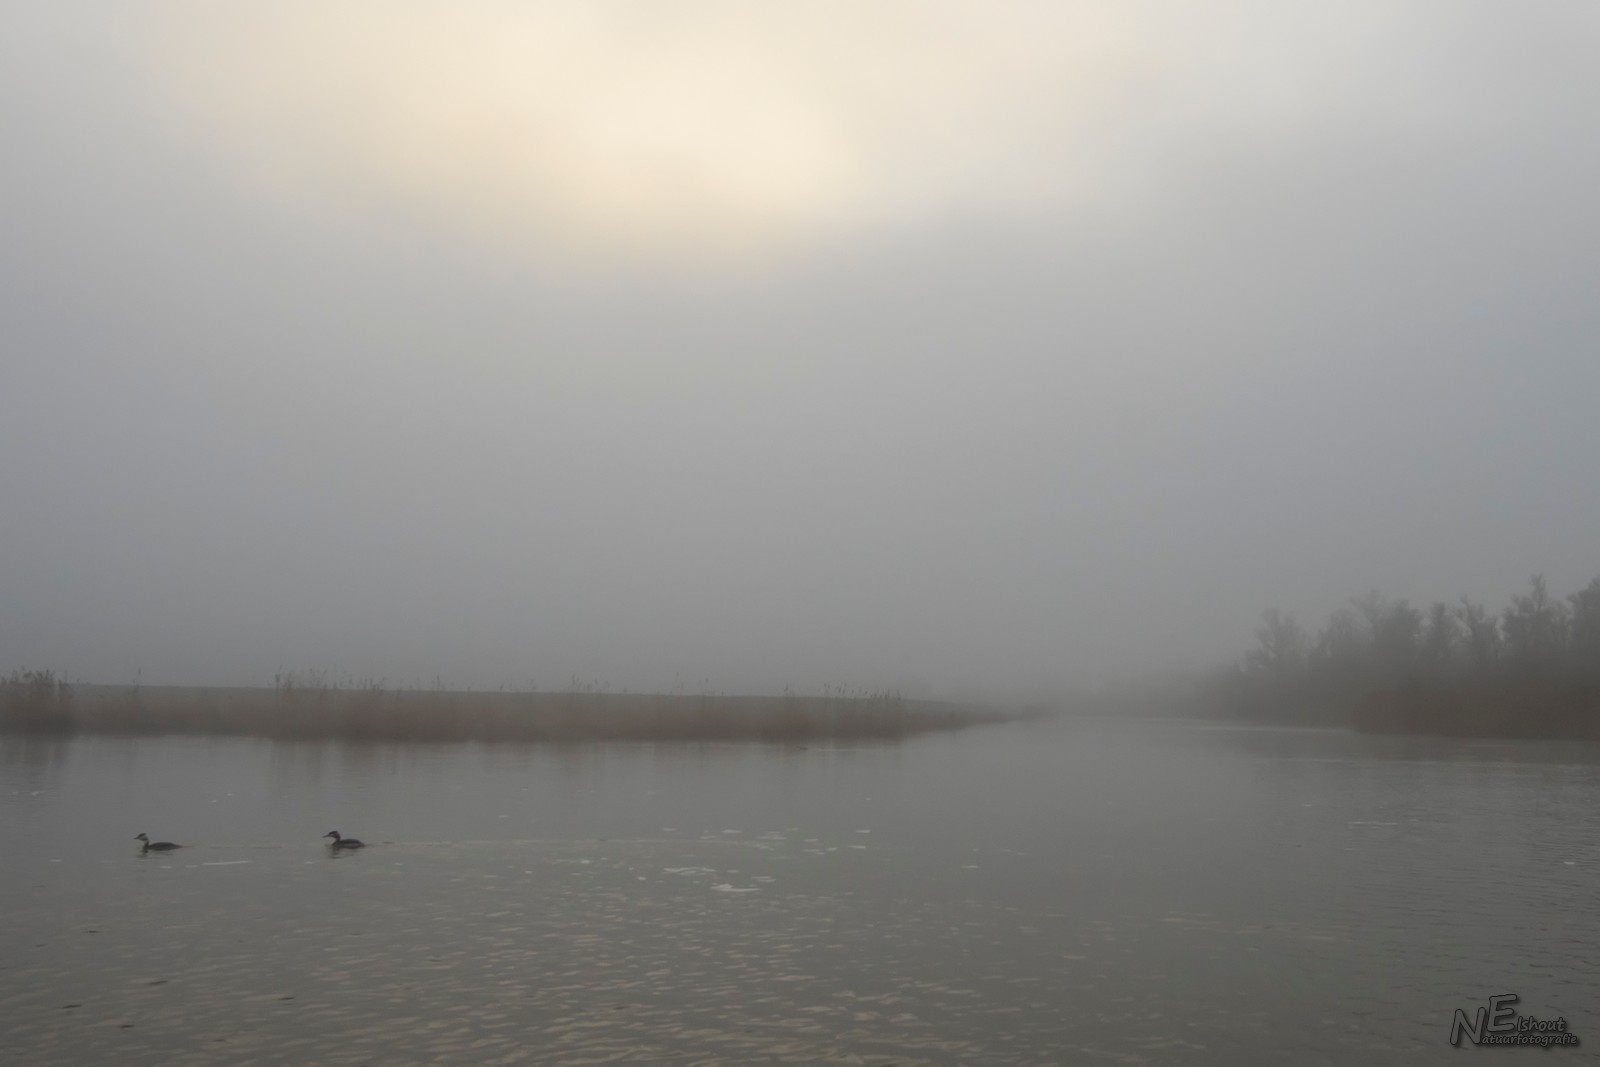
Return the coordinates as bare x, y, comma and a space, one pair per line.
331, 833
143, 837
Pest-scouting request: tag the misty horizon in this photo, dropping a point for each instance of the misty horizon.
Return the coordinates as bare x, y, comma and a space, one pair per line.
992, 354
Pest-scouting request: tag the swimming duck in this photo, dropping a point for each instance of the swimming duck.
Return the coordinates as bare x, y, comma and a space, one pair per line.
155, 846
343, 842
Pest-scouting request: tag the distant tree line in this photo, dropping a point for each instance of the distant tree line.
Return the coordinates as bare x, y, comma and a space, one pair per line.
1532, 669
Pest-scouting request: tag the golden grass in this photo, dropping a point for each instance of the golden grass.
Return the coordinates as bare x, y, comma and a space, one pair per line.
375, 713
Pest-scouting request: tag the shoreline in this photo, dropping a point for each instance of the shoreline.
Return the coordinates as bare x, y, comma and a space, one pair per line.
377, 714
1534, 712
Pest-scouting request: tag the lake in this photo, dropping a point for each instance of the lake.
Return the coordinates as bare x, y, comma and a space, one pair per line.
1074, 891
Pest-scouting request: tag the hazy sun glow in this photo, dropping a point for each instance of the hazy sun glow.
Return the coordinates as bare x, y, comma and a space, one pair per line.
706, 131
698, 130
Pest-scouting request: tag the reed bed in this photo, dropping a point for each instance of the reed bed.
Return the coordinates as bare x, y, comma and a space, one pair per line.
38, 702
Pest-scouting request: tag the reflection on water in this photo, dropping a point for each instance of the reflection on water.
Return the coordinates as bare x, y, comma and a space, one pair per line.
29, 761
1046, 893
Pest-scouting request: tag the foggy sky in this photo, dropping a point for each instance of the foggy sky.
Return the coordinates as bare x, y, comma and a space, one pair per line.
949, 347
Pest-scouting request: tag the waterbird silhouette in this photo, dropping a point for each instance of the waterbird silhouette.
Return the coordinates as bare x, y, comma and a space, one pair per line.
343, 842
155, 846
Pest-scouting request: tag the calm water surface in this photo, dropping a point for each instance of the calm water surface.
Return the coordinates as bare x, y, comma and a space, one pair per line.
1073, 892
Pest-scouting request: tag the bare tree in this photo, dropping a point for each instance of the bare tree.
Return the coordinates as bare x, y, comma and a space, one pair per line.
1535, 629
1399, 638
1280, 652
1483, 643
1441, 641
1584, 635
